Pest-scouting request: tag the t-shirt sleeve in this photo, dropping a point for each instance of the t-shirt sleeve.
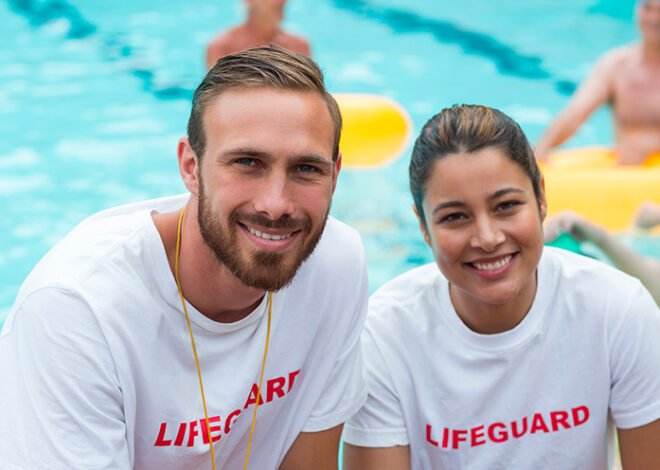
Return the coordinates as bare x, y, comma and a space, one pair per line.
346, 390
635, 363
61, 400
380, 421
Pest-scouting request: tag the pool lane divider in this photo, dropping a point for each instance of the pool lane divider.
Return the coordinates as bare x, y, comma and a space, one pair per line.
39, 13
507, 60
376, 129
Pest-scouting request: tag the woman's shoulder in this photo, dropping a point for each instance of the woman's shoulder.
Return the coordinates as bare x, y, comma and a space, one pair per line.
408, 298
584, 281
567, 265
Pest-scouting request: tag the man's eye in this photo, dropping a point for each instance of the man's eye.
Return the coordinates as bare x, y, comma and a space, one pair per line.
246, 161
307, 169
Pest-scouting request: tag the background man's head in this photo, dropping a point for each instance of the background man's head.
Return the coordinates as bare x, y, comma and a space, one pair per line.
648, 18
268, 10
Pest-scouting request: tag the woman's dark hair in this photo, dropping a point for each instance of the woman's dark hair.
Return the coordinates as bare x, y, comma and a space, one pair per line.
468, 129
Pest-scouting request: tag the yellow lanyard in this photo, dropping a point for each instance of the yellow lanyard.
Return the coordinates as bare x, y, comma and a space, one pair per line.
194, 348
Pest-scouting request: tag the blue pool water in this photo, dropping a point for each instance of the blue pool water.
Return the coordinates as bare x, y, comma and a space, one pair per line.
94, 95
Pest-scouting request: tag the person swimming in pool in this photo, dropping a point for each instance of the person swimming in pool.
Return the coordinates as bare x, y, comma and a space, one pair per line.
628, 78
503, 353
262, 27
645, 268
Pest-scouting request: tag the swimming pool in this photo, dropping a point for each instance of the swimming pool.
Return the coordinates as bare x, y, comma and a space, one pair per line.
94, 95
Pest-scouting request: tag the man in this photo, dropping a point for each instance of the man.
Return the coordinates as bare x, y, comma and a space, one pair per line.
628, 78
262, 27
99, 368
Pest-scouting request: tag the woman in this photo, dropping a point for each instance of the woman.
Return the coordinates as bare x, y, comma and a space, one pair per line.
502, 354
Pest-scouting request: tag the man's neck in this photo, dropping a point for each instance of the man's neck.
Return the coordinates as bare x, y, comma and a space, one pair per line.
264, 28
650, 53
206, 284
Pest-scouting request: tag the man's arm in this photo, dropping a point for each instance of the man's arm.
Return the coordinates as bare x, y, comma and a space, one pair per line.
297, 44
62, 401
640, 447
594, 92
217, 49
648, 216
376, 458
317, 450
213, 53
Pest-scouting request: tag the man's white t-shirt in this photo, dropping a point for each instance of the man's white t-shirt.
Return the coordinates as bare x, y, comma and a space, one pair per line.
544, 395
97, 369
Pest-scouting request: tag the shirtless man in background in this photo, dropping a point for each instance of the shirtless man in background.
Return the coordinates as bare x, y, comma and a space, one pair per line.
261, 28
628, 78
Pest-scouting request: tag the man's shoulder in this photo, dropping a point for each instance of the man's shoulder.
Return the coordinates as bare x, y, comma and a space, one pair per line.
229, 41
614, 59
340, 246
111, 235
337, 261
297, 44
340, 232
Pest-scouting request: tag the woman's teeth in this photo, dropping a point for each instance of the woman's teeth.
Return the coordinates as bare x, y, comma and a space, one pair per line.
493, 266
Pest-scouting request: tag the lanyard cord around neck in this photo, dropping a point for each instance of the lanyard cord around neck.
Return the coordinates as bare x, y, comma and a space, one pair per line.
194, 348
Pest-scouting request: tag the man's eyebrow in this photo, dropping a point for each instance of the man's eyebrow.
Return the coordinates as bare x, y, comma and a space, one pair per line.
302, 159
313, 159
496, 195
243, 152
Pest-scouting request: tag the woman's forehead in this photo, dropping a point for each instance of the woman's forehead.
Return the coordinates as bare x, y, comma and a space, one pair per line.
477, 173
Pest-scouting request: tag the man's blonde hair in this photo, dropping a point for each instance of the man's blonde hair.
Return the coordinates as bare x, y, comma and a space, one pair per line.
270, 67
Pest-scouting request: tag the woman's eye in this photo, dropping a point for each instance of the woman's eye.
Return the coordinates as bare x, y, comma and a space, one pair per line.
506, 205
453, 217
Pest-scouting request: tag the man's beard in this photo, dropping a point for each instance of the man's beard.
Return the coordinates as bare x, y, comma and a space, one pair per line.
261, 269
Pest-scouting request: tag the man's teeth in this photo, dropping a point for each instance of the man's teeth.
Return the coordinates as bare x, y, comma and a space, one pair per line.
493, 266
268, 236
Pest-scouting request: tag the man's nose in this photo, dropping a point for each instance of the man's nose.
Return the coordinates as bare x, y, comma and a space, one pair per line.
275, 198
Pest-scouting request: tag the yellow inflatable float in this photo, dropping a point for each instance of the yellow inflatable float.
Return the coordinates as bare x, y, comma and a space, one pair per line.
589, 182
376, 129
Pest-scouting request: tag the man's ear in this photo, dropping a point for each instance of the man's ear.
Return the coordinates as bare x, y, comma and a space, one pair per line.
422, 226
188, 166
336, 170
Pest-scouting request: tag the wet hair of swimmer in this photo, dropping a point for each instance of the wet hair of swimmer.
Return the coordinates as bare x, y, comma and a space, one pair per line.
468, 129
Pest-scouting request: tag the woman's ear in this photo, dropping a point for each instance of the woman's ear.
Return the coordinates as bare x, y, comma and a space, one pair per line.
543, 203
422, 226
